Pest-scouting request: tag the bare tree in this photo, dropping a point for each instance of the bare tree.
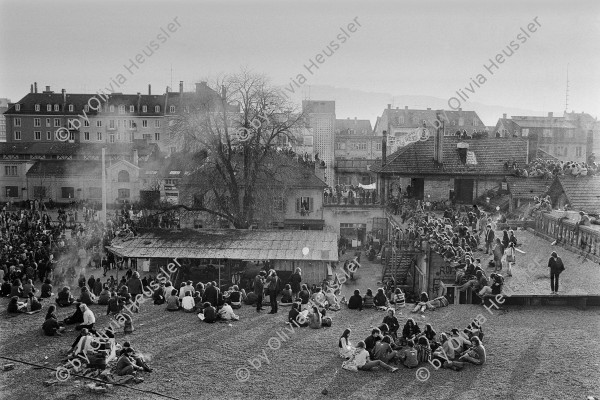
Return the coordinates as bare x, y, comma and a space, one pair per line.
230, 142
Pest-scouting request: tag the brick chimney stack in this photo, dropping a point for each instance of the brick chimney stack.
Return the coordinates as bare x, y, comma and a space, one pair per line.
149, 89
34, 87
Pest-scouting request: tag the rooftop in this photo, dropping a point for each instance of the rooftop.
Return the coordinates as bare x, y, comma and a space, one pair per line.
231, 244
583, 193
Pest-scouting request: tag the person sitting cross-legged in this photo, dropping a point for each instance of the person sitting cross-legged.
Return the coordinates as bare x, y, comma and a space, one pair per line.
187, 303
409, 355
126, 364
383, 350
356, 301
64, 297
51, 326
380, 299
89, 319
476, 354
363, 362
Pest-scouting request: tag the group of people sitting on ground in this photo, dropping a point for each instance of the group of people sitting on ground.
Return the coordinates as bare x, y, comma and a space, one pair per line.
384, 347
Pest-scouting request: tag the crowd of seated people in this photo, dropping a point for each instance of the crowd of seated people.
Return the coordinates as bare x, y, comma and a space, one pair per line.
415, 347
552, 168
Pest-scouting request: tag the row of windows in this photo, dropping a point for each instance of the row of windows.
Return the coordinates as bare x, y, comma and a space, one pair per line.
37, 122
37, 135
461, 121
86, 108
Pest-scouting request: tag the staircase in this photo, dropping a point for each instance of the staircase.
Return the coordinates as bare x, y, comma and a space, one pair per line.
399, 265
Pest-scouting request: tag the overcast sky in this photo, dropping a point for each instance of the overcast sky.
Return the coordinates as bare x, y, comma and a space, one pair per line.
419, 47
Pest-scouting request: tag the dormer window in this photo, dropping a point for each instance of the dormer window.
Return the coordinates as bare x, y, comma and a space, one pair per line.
70, 107
37, 107
49, 107
86, 108
172, 109
112, 109
121, 109
144, 108
17, 107
157, 109
56, 107
131, 109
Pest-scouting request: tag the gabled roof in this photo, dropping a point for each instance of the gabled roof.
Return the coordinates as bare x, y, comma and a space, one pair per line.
509, 125
236, 244
583, 193
543, 122
65, 168
544, 155
528, 188
360, 126
491, 155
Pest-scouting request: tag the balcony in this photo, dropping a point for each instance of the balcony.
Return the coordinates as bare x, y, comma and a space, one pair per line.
362, 201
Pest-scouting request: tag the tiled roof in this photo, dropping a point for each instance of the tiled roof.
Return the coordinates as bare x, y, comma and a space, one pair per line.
231, 244
509, 125
583, 193
544, 155
527, 188
65, 168
414, 118
543, 122
491, 155
360, 126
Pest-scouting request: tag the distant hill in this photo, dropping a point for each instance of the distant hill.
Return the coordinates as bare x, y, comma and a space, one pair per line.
369, 105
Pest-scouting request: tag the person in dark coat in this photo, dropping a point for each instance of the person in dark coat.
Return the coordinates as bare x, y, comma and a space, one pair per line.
295, 281
489, 239
259, 287
134, 285
273, 281
211, 294
556, 266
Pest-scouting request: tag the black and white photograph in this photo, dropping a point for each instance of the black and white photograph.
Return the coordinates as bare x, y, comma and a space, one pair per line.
300, 199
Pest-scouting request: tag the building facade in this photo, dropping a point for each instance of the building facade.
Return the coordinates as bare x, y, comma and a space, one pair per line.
321, 120
3, 108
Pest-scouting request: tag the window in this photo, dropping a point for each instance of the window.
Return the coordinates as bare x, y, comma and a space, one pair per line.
111, 109
461, 121
172, 109
525, 132
475, 122
147, 136
560, 150
37, 135
123, 176
17, 135
95, 192
144, 123
39, 192
157, 123
71, 123
86, 122
37, 107
56, 122
547, 132
119, 137
340, 146
578, 151
99, 136
111, 124
10, 170
304, 205
121, 109
111, 138
131, 108
86, 108
12, 191
401, 119
48, 122
37, 122
308, 141
17, 107
360, 146
278, 204
123, 193
86, 136
131, 137
70, 107
157, 136
48, 135
119, 123
17, 122
56, 107
144, 108
132, 124
99, 124
71, 136
157, 109
378, 146
67, 192
49, 107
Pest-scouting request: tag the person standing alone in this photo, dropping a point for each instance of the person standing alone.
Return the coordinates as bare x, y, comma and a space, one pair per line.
273, 281
556, 266
259, 287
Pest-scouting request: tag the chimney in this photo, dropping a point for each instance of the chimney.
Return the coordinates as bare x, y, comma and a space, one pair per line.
139, 100
389, 106
34, 87
428, 109
64, 93
550, 114
180, 87
406, 107
31, 90
504, 116
384, 148
150, 90
135, 157
47, 88
438, 142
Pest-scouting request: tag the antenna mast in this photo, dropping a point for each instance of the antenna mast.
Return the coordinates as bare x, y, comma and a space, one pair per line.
567, 92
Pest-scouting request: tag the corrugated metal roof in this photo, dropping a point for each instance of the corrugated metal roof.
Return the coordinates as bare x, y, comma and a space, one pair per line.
229, 243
